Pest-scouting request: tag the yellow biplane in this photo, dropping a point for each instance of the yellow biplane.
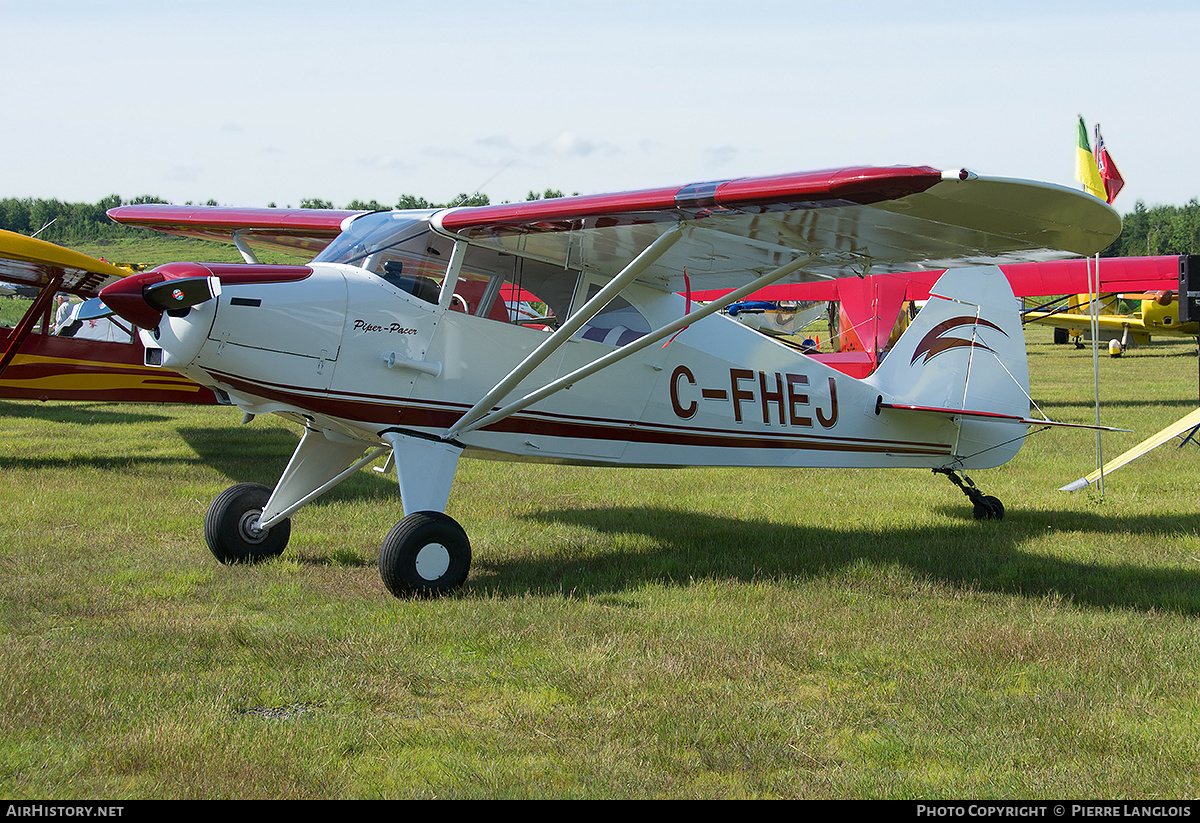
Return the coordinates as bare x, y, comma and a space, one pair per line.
1158, 315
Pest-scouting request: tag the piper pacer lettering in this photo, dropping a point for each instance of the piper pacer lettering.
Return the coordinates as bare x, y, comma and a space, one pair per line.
373, 328
782, 397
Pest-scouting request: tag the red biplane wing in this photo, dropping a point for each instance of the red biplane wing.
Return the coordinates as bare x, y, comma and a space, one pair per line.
1030, 279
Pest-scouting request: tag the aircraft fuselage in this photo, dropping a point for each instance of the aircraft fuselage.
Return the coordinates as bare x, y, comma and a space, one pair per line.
347, 352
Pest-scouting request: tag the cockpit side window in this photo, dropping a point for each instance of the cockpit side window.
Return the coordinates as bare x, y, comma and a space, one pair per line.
422, 287
512, 289
402, 249
617, 324
540, 295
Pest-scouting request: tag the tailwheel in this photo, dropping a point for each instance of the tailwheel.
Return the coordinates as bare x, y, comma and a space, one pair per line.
986, 507
425, 554
231, 526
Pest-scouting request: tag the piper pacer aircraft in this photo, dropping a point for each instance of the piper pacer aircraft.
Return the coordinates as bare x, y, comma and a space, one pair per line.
402, 339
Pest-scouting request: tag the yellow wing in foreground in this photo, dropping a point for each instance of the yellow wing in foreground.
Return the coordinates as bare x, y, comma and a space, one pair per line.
1173, 430
32, 262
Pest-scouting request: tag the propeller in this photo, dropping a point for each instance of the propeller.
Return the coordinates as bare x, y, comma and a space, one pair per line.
174, 295
142, 298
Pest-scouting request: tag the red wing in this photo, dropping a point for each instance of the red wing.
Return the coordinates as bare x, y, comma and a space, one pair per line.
296, 231
1118, 275
842, 222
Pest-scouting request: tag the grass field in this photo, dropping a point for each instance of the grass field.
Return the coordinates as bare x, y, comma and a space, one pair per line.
156, 249
623, 634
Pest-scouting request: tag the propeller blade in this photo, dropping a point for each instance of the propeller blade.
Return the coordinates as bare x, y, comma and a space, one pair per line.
173, 295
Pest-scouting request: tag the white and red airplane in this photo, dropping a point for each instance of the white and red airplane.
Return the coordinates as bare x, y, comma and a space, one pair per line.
562, 330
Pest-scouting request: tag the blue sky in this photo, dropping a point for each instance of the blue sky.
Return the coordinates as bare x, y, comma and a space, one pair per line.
251, 103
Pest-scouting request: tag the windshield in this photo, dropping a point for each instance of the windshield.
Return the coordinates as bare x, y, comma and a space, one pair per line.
373, 233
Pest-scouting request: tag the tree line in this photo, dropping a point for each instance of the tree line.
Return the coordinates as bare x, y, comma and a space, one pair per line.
1158, 230
66, 223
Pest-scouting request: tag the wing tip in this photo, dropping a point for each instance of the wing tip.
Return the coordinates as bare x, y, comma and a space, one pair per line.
1081, 483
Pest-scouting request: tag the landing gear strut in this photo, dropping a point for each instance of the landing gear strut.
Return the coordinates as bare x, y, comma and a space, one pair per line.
986, 507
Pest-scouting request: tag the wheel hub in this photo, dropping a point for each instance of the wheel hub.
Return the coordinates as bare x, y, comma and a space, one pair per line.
432, 561
248, 527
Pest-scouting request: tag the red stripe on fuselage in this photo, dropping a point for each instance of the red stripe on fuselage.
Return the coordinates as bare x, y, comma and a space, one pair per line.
438, 415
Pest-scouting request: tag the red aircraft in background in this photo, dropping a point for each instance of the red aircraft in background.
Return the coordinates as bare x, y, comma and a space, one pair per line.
869, 311
84, 360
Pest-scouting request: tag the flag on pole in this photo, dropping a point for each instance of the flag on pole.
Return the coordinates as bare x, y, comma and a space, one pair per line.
1113, 181
1086, 169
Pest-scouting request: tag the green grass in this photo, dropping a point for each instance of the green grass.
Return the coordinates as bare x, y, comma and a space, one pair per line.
156, 249
12, 309
623, 634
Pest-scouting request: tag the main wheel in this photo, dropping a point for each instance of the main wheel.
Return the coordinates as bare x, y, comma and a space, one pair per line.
231, 526
426, 553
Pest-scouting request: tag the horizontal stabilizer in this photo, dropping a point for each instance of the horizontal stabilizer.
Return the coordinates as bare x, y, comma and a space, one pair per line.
986, 415
1177, 428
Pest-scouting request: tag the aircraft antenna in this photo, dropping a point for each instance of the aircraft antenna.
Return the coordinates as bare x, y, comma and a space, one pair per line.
43, 228
479, 189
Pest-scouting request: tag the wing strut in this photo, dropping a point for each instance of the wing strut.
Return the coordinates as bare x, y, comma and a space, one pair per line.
563, 333
1187, 423
625, 351
243, 247
32, 315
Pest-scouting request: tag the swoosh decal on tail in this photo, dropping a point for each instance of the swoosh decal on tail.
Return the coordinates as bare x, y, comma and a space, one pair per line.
933, 343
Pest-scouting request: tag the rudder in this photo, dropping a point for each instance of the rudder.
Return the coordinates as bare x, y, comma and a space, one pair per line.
965, 351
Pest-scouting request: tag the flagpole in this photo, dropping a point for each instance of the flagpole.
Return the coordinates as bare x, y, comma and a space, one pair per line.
1100, 178
1094, 298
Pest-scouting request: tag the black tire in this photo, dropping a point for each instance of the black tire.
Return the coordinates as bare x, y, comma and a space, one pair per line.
229, 526
989, 508
425, 554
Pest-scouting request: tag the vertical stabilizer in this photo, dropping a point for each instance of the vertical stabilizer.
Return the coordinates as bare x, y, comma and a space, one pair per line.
965, 351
